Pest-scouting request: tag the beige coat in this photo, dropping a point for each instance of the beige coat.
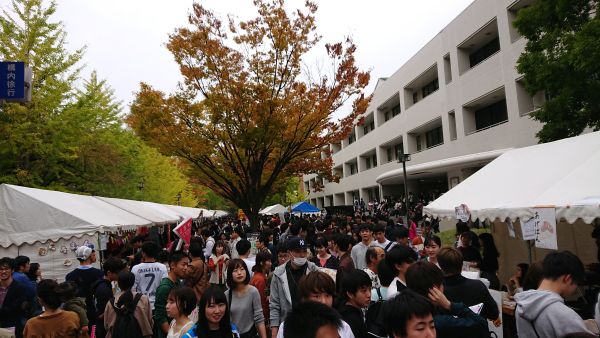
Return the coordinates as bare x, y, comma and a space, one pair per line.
143, 314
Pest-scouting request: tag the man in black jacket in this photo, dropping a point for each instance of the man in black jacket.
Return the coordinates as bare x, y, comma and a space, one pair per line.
467, 291
356, 288
12, 298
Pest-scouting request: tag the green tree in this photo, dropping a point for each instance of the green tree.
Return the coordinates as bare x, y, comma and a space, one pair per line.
561, 59
73, 139
27, 34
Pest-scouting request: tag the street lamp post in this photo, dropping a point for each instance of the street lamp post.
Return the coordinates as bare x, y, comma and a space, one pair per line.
403, 158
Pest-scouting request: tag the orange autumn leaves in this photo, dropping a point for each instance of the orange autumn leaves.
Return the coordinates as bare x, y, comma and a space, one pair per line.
250, 113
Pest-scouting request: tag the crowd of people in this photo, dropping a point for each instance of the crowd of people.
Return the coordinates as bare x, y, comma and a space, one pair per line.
355, 276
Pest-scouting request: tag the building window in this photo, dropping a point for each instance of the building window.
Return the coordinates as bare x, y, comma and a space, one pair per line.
351, 139
491, 115
395, 110
387, 115
390, 155
418, 139
430, 88
484, 52
434, 137
352, 168
374, 160
398, 148
415, 97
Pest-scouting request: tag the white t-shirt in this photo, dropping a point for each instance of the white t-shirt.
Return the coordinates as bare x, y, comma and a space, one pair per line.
393, 288
250, 263
148, 277
345, 331
384, 244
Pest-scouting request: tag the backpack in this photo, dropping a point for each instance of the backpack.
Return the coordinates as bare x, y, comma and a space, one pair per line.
372, 317
126, 326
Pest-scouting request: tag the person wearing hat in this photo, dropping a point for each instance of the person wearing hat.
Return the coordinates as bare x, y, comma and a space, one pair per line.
359, 251
84, 276
284, 285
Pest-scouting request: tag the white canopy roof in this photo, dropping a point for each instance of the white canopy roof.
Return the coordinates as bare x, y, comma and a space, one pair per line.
273, 209
147, 210
564, 174
28, 215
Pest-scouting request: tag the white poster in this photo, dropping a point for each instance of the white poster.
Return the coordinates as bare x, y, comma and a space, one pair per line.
546, 229
511, 228
496, 331
462, 213
528, 228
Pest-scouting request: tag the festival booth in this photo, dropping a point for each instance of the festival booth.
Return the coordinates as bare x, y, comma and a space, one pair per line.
273, 210
538, 199
47, 226
304, 208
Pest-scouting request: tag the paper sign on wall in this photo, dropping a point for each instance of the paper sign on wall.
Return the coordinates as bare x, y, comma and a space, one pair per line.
462, 213
528, 228
541, 228
546, 229
511, 228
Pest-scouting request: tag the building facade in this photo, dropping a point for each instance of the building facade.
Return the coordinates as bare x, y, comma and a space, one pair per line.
456, 105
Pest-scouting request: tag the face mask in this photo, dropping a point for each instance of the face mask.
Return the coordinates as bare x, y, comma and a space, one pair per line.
299, 261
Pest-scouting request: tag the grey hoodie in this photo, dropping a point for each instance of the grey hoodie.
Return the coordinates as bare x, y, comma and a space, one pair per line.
280, 299
548, 312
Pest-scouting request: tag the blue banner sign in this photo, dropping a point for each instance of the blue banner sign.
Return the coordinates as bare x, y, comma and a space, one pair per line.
12, 81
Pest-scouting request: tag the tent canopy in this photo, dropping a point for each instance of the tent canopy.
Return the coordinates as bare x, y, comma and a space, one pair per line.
147, 210
28, 215
304, 207
563, 174
273, 209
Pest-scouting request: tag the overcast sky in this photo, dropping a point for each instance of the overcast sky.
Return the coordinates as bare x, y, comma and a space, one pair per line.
126, 39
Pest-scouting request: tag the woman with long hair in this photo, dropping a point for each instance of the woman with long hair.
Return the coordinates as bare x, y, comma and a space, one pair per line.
213, 317
470, 248
489, 263
515, 283
128, 300
244, 301
217, 264
54, 321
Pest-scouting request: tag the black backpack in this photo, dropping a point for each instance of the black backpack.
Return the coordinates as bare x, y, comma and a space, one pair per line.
126, 326
373, 317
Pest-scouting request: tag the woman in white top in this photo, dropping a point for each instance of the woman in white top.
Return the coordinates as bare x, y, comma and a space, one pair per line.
180, 303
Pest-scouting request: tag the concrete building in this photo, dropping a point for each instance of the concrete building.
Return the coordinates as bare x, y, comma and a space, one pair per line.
456, 105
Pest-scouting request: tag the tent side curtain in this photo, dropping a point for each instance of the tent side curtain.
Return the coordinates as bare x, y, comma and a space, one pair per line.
562, 174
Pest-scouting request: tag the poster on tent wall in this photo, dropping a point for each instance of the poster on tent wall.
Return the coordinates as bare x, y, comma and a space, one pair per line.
462, 213
542, 228
546, 237
496, 331
56, 259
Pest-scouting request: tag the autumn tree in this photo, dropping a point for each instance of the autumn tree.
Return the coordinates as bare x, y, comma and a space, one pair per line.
251, 113
561, 59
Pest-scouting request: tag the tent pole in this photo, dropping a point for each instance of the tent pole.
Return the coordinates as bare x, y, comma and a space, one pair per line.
529, 243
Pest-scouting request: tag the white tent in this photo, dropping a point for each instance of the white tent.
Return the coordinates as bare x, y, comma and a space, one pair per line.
562, 174
150, 211
29, 215
273, 209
